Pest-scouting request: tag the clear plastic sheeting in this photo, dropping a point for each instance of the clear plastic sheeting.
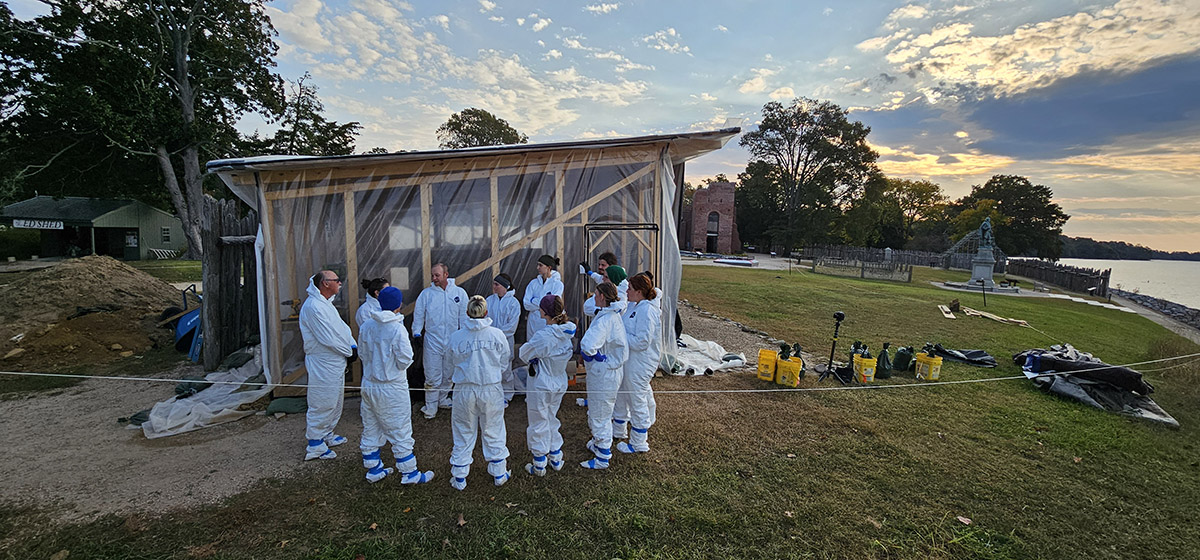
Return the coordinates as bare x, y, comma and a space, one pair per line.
480, 211
215, 405
700, 357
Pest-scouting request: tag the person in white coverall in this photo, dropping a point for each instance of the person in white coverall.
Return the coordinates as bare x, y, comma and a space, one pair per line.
618, 277
621, 410
479, 353
643, 332
371, 287
505, 312
329, 347
547, 282
547, 354
604, 352
386, 410
440, 311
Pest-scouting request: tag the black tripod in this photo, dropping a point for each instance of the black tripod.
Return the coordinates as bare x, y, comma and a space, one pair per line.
839, 317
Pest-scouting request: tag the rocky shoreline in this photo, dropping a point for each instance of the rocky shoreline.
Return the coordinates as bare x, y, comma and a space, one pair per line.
1181, 313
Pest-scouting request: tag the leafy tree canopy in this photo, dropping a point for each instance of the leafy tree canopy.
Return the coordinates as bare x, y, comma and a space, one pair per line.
476, 127
1033, 222
304, 129
823, 161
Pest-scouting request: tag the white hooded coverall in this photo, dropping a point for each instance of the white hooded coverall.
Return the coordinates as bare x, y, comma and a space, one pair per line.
621, 411
437, 315
505, 312
635, 402
537, 289
363, 315
327, 344
386, 411
478, 353
605, 337
553, 348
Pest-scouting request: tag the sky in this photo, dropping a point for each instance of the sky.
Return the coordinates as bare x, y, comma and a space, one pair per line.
1098, 100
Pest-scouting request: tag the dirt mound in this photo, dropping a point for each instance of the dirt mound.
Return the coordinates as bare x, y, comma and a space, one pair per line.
126, 303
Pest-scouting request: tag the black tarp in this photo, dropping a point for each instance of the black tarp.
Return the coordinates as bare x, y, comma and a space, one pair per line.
1089, 380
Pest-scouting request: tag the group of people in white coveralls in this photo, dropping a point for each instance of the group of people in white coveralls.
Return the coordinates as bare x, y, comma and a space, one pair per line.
468, 358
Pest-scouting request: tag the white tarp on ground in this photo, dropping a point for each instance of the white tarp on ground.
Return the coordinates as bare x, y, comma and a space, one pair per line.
215, 405
700, 357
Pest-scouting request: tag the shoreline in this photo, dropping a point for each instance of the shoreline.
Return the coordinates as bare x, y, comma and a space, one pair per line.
1181, 319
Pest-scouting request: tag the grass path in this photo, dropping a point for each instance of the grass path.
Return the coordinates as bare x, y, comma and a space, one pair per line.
856, 474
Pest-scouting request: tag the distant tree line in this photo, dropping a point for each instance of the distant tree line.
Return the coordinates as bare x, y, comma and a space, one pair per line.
1087, 248
813, 179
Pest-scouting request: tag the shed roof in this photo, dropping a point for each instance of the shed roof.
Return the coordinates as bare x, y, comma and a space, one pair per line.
684, 146
68, 209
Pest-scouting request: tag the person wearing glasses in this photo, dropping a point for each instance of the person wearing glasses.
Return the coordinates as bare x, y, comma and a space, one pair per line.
329, 348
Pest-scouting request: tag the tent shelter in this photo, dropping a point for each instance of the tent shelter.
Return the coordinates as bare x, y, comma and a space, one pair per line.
482, 211
73, 226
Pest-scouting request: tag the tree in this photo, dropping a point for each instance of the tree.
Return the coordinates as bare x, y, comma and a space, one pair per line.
162, 80
476, 127
304, 130
875, 219
918, 200
757, 201
823, 161
1034, 223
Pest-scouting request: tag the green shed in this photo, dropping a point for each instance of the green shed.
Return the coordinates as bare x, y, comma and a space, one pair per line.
120, 228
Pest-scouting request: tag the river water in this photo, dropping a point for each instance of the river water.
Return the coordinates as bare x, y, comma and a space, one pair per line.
1177, 281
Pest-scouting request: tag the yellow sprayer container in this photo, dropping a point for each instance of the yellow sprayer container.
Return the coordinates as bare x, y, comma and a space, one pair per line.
864, 369
929, 367
787, 372
766, 364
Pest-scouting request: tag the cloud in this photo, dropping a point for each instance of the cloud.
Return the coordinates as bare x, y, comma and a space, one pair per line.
486, 6
879, 43
497, 19
552, 53
575, 43
667, 40
783, 94
300, 23
704, 96
442, 20
827, 11
1129, 36
910, 11
602, 8
758, 83
540, 24
520, 21
905, 161
721, 28
623, 63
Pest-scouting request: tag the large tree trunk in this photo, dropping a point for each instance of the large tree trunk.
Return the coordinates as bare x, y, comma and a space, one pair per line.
189, 213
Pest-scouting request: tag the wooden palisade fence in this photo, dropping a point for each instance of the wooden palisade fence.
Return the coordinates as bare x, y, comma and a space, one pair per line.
960, 261
1083, 280
230, 316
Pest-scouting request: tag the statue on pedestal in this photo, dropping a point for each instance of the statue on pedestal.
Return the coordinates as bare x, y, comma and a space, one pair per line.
985, 233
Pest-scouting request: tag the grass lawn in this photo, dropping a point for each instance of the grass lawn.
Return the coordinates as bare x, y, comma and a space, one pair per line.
170, 270
851, 474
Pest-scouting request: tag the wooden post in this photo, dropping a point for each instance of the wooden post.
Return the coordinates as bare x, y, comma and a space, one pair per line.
350, 283
210, 316
494, 184
560, 178
426, 240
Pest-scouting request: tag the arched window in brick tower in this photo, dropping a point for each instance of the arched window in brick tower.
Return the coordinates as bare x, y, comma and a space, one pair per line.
714, 230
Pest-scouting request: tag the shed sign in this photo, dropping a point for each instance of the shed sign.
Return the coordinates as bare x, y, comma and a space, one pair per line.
37, 224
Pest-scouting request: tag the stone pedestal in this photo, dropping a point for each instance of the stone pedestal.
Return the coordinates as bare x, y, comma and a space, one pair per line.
981, 268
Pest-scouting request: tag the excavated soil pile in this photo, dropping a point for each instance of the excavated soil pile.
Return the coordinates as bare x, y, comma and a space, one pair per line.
38, 332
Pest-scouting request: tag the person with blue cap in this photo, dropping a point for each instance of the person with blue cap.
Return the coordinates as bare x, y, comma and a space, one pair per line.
329, 348
386, 409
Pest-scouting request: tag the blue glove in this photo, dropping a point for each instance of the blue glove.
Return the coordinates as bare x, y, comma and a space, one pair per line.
599, 357
416, 335
533, 362
588, 357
